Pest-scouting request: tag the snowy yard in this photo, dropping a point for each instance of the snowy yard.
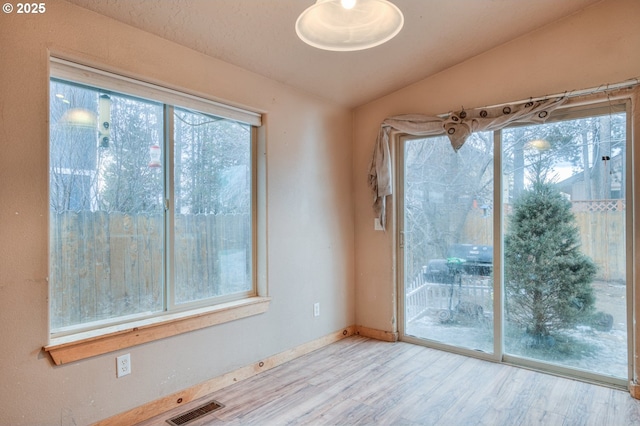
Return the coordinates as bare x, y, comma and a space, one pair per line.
583, 347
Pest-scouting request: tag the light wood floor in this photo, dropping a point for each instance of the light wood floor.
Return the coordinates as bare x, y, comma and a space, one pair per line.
368, 382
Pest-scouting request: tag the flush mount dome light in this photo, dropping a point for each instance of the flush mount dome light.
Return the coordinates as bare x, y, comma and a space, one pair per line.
346, 25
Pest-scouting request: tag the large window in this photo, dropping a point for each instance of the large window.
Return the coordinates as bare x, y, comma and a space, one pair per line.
152, 201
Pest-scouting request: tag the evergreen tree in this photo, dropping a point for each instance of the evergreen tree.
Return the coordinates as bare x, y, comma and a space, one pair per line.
547, 278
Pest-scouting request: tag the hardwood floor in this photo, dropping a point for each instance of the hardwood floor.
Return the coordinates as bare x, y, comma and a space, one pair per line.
367, 382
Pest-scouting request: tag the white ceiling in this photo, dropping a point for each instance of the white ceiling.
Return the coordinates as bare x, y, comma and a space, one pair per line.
259, 35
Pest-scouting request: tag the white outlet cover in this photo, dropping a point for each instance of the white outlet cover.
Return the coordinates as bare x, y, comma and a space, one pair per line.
123, 365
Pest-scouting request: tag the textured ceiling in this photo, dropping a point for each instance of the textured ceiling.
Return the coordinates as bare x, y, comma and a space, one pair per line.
259, 35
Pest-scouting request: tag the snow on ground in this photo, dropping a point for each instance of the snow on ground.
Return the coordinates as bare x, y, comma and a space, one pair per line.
603, 352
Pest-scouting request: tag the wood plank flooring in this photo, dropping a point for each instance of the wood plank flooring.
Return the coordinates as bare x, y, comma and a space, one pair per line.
359, 381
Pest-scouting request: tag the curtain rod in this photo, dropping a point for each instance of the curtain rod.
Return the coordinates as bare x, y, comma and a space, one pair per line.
575, 93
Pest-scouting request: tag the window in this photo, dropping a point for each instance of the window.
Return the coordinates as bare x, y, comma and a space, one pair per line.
152, 201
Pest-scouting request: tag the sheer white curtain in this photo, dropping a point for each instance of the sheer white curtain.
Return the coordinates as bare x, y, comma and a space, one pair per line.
456, 125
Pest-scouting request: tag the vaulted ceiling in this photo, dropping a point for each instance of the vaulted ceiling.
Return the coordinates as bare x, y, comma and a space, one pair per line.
259, 35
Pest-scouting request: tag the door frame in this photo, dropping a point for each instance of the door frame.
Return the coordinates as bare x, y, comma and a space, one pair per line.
632, 238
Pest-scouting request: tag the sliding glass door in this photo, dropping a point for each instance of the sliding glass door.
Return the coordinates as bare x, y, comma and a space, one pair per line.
565, 268
447, 240
555, 297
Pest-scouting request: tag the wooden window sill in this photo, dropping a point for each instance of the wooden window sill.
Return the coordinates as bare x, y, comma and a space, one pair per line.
79, 346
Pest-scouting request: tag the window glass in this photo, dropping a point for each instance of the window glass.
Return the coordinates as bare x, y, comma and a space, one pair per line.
213, 241
106, 206
144, 220
564, 243
448, 237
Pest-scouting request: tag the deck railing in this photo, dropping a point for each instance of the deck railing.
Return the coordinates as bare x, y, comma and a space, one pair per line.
423, 297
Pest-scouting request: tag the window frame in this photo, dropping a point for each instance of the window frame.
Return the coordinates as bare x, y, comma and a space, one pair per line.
79, 342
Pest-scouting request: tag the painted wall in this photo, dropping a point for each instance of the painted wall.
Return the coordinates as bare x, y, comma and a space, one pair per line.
309, 221
598, 45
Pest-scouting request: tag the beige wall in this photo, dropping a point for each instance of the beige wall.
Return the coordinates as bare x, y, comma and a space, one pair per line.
596, 46
313, 176
309, 216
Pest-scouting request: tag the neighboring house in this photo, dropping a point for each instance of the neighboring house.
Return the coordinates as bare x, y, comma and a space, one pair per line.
575, 186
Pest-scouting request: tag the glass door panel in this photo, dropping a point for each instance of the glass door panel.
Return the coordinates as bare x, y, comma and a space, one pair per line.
564, 243
447, 235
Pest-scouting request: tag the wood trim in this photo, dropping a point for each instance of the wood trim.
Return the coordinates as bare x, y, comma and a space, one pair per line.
169, 402
72, 348
385, 336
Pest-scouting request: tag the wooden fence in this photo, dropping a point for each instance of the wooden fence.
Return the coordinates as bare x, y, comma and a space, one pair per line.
109, 264
602, 232
603, 240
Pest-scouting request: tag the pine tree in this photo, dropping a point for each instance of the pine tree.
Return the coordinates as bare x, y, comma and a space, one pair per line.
547, 278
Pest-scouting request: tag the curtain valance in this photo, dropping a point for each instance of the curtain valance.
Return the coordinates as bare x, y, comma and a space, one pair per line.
457, 126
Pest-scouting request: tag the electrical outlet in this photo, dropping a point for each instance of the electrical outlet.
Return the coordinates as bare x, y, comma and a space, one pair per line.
123, 365
316, 309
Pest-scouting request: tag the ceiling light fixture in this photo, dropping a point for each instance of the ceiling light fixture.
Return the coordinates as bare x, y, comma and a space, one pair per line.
347, 25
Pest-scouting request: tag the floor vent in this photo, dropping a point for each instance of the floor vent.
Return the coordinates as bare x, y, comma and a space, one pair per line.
195, 413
